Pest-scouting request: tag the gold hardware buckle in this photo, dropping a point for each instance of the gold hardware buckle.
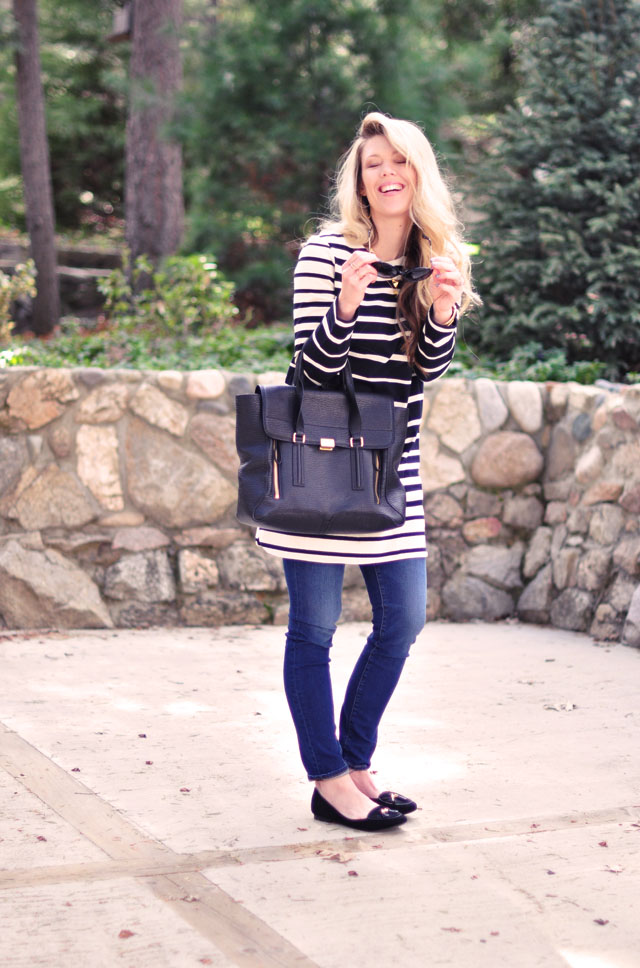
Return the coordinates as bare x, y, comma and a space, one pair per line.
327, 443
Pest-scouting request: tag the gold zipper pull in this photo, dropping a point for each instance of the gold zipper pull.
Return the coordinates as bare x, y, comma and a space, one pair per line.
276, 469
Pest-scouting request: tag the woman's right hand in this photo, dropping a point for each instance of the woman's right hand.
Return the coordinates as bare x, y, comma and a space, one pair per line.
357, 275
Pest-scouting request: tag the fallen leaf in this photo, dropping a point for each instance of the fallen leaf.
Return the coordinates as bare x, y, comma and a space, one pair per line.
614, 870
142, 735
452, 930
600, 921
126, 934
550, 872
75, 769
335, 855
42, 838
353, 873
494, 934
185, 790
603, 843
148, 762
189, 898
303, 828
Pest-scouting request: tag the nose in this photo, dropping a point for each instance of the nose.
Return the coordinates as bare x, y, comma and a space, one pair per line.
389, 168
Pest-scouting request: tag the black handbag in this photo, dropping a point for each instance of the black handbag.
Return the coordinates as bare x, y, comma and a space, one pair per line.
320, 461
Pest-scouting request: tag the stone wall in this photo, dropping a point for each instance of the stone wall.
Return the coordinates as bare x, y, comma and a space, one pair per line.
117, 500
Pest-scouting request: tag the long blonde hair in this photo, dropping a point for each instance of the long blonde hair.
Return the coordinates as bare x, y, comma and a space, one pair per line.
435, 229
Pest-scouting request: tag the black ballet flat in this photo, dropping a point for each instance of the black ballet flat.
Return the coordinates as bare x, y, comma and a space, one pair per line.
379, 818
396, 802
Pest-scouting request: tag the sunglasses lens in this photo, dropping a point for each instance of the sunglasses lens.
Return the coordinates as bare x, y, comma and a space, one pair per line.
420, 272
384, 269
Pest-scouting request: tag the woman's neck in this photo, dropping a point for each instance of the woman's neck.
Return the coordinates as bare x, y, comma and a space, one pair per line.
392, 238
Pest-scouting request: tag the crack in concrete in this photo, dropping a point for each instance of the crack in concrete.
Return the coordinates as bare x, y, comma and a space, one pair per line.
244, 938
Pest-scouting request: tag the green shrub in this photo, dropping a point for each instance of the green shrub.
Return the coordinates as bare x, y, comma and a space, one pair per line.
11, 200
528, 362
21, 283
184, 295
230, 347
183, 318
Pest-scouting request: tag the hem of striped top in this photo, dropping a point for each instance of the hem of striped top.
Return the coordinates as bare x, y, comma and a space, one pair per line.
341, 557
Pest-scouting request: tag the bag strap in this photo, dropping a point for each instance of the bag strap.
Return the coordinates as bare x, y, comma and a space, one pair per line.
355, 420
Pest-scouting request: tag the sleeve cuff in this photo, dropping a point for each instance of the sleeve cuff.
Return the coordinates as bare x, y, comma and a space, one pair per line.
450, 324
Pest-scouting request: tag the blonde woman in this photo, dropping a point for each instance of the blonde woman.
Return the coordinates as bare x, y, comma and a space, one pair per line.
381, 285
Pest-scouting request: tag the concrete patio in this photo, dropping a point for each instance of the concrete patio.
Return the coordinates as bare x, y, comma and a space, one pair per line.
154, 812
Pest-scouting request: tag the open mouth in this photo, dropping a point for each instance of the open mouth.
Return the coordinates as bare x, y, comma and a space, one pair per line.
390, 188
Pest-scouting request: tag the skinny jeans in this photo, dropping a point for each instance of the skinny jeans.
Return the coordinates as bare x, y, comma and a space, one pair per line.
398, 594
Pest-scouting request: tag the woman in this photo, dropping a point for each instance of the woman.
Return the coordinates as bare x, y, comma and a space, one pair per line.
391, 206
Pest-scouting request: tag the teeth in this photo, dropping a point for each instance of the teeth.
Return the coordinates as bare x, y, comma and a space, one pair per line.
391, 188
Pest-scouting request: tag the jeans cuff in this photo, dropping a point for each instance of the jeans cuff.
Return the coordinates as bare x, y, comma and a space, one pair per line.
329, 776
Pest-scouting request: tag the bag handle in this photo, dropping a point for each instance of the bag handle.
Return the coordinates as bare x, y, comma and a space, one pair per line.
355, 420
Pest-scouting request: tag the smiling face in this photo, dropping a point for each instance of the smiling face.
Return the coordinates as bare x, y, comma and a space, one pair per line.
387, 179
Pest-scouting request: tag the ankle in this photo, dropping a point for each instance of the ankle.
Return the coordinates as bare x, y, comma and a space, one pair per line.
363, 780
335, 783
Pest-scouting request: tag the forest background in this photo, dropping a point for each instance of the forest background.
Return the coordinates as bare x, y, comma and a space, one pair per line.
533, 106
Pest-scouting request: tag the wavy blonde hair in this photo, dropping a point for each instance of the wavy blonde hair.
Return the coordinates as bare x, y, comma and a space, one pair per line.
435, 229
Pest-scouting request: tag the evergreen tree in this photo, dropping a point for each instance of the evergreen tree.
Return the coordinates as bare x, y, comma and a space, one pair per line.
560, 263
84, 81
280, 92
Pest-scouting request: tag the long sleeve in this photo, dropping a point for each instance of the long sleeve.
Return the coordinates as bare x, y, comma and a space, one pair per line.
323, 338
436, 346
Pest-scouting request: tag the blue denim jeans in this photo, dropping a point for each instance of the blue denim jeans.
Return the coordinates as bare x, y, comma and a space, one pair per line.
397, 591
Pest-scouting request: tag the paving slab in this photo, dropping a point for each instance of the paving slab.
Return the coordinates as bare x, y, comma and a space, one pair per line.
154, 810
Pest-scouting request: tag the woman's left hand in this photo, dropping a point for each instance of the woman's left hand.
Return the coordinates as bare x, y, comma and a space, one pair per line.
445, 286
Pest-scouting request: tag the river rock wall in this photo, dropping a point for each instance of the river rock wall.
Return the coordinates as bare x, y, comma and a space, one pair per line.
118, 491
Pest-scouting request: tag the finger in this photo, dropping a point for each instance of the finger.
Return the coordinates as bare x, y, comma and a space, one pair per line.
453, 292
364, 274
447, 272
452, 278
359, 258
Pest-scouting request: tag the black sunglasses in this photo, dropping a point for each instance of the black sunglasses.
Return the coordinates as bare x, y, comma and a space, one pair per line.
408, 275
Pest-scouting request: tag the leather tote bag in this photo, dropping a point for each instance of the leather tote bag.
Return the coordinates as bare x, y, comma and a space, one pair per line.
319, 461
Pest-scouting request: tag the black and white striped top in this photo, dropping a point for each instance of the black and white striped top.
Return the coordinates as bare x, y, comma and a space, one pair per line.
375, 347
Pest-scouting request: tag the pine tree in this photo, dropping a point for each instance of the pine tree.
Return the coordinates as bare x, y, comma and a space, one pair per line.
560, 263
280, 93
36, 171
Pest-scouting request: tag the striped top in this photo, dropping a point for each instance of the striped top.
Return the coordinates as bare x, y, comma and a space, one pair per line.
375, 347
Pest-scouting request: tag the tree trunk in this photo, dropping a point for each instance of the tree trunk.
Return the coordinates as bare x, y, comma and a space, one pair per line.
36, 172
153, 196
